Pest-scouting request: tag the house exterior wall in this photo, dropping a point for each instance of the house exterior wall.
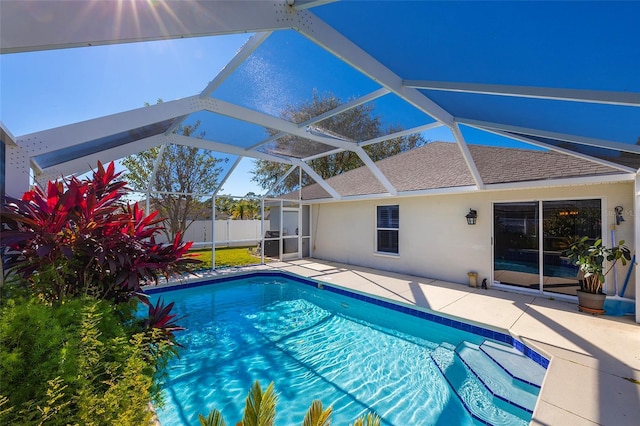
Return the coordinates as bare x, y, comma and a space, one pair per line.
434, 238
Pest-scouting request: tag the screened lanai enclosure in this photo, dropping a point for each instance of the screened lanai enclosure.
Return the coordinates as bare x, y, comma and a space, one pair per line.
556, 79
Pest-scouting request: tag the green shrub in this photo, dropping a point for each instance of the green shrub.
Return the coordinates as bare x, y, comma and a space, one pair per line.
72, 350
78, 362
82, 238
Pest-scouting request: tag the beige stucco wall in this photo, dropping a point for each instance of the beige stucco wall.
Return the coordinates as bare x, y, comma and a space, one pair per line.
435, 240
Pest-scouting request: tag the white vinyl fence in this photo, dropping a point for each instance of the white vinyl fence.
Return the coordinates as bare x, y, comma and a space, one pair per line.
230, 233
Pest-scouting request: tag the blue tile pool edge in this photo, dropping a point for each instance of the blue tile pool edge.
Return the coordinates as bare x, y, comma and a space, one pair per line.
460, 325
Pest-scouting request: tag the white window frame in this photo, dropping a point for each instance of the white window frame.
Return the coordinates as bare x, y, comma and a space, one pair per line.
396, 229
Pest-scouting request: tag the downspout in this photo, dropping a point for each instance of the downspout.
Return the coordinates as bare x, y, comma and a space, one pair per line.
636, 239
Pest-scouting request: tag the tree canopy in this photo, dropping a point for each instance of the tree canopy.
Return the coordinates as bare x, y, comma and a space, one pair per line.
181, 170
357, 124
239, 209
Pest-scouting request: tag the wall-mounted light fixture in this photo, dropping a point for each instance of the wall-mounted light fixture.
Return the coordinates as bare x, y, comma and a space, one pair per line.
619, 217
472, 216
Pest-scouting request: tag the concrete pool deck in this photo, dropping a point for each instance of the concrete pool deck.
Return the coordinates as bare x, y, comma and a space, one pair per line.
594, 373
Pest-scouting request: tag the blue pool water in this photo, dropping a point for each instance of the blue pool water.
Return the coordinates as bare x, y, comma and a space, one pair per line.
351, 354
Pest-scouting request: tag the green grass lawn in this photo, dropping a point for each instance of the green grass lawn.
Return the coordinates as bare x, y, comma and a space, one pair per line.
227, 256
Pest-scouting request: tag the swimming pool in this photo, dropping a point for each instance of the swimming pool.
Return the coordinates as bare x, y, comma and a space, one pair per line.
349, 350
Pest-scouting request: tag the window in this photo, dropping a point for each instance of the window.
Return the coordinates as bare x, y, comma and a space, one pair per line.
387, 226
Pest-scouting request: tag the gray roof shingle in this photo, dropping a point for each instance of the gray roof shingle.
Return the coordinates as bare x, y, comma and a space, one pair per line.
441, 165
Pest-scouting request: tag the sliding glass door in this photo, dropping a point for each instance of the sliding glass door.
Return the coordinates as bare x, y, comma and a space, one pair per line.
564, 221
524, 258
516, 259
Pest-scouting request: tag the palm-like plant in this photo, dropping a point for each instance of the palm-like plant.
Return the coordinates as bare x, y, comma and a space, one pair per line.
260, 407
246, 209
317, 415
260, 410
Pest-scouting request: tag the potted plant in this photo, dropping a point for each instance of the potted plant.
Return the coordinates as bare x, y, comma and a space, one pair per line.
590, 259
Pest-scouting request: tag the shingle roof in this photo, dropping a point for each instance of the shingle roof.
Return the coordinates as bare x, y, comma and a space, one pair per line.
441, 165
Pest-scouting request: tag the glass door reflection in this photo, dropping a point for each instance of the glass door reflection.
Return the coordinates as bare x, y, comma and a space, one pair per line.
563, 222
516, 255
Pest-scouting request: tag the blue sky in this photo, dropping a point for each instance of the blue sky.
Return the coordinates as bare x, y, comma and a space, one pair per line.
47, 89
598, 51
41, 90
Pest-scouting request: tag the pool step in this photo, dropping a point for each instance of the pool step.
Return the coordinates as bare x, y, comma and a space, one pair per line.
474, 395
515, 363
496, 379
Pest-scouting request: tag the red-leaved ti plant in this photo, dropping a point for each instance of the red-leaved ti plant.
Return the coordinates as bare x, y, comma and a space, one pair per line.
82, 238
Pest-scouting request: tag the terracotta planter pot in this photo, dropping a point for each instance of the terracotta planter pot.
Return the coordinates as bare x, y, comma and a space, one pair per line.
590, 302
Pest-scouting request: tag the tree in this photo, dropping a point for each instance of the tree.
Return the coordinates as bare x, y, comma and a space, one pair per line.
246, 208
224, 205
182, 170
358, 124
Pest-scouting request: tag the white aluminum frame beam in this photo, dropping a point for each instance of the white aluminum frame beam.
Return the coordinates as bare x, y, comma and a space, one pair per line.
281, 179
462, 144
81, 165
111, 22
376, 171
6, 136
600, 143
557, 149
195, 194
87, 162
306, 4
414, 130
325, 36
332, 113
78, 133
572, 95
369, 97
238, 59
255, 117
249, 47
402, 133
318, 179
224, 148
156, 166
323, 154
231, 110
227, 175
